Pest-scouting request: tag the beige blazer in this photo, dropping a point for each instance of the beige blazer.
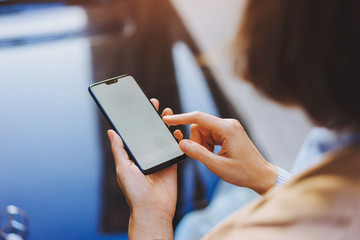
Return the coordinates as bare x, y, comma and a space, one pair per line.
322, 203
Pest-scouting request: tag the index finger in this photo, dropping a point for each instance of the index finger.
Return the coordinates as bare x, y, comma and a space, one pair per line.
202, 119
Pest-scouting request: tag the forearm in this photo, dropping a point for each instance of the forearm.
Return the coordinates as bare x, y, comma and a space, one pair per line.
150, 225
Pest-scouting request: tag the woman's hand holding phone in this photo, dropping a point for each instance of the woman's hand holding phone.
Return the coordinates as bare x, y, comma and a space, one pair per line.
151, 198
238, 162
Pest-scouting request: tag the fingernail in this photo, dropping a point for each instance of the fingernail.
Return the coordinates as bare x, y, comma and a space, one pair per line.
167, 117
184, 145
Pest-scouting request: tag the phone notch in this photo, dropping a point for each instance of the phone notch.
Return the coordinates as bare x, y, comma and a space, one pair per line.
111, 81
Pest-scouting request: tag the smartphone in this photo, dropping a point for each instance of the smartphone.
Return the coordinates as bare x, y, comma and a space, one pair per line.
146, 137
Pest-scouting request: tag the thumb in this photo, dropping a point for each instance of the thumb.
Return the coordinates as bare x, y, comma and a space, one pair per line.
199, 152
121, 157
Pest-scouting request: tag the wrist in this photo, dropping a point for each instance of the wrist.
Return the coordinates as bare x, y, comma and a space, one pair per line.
150, 224
268, 179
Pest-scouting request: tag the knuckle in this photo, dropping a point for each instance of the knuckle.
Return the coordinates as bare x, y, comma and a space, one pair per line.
234, 125
197, 113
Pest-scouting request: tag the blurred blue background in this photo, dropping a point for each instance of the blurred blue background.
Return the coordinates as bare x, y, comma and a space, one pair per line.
50, 150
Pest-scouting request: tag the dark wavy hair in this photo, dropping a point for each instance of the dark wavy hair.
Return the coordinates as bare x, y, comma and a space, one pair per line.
304, 52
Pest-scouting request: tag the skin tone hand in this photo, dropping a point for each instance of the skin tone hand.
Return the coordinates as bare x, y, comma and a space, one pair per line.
238, 162
151, 198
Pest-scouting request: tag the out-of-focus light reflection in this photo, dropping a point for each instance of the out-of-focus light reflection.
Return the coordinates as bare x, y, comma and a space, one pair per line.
44, 21
50, 155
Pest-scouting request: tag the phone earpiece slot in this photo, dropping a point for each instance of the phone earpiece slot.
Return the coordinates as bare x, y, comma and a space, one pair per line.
111, 82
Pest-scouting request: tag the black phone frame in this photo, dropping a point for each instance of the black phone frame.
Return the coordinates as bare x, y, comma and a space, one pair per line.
131, 156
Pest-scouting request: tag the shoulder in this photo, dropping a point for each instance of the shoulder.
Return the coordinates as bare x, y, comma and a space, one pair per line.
329, 185
322, 203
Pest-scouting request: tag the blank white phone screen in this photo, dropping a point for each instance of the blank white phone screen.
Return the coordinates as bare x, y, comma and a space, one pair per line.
131, 113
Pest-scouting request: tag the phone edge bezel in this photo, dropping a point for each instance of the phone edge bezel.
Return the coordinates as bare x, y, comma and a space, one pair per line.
147, 171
